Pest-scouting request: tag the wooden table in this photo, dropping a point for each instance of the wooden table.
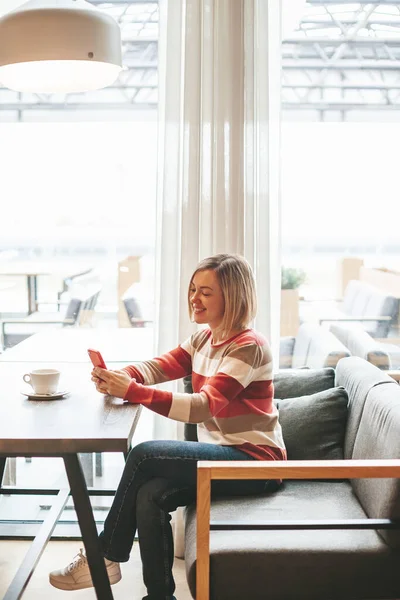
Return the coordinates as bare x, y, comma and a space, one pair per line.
32, 269
70, 344
84, 421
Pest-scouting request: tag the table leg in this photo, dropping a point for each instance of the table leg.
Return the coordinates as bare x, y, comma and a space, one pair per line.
2, 468
31, 282
88, 527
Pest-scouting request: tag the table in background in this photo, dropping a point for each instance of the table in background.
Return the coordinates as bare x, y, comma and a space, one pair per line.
81, 422
32, 269
70, 345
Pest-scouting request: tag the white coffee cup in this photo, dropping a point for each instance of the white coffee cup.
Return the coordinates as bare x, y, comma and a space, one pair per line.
43, 381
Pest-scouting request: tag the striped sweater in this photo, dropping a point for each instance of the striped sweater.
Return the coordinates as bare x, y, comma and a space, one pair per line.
232, 401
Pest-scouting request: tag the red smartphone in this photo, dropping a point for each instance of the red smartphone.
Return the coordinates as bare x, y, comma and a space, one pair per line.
96, 358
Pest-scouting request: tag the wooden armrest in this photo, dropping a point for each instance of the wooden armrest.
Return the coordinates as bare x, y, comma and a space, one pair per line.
321, 300
292, 469
355, 318
139, 320
301, 469
394, 373
392, 340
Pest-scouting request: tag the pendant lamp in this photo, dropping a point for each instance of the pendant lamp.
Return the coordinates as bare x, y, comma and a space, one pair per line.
7, 5
50, 46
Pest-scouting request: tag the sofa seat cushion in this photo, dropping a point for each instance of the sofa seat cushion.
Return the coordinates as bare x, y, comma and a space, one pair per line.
304, 419
295, 565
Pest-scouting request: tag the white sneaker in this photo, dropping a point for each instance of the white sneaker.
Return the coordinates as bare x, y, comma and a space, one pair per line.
76, 576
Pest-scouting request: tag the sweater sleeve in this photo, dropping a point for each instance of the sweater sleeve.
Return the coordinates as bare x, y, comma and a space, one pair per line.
237, 370
173, 365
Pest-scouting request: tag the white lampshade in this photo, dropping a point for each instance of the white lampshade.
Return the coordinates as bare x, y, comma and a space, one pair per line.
292, 13
7, 5
50, 46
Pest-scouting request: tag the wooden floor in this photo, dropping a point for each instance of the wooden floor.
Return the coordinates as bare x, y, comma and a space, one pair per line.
58, 555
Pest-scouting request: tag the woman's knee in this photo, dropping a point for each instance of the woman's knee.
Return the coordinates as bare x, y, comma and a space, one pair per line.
157, 448
144, 450
164, 494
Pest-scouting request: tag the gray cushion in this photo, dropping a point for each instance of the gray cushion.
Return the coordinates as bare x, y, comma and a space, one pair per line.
314, 426
299, 382
295, 565
287, 384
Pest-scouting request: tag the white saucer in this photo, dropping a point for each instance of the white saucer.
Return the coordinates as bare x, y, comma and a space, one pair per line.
54, 396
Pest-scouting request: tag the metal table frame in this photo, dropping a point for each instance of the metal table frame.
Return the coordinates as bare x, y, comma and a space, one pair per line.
87, 524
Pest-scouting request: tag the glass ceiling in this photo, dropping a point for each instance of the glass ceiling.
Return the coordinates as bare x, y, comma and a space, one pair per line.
344, 56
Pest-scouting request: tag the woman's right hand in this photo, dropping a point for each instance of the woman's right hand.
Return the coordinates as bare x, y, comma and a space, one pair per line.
99, 383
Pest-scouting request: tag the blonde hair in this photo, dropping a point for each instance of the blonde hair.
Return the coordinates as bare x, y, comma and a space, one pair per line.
236, 279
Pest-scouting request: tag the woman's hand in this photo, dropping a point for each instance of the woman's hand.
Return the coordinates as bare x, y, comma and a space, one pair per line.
114, 383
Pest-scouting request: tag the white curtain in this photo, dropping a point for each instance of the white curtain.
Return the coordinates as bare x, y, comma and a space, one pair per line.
219, 135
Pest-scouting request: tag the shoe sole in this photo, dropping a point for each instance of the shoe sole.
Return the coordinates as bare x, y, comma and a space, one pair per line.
72, 587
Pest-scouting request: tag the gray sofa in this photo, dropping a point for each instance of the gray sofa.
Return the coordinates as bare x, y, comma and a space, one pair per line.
351, 413
313, 347
364, 303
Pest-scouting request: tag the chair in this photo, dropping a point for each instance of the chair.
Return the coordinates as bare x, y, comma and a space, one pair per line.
363, 303
79, 311
134, 312
69, 282
314, 347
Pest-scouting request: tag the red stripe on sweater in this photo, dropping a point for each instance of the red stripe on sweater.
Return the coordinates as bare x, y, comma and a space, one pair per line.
228, 386
249, 337
260, 389
241, 406
161, 402
263, 452
134, 373
175, 364
228, 398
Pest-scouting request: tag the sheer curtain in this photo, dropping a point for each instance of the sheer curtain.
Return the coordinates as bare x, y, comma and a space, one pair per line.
219, 135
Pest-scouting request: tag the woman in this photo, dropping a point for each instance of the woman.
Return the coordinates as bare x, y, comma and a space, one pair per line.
232, 404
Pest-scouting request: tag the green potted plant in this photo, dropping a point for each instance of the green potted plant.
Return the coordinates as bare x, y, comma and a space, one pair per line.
291, 279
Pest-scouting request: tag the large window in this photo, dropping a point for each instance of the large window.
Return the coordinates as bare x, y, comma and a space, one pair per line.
78, 204
81, 194
339, 177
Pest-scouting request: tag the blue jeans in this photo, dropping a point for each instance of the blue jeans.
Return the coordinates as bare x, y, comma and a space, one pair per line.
158, 477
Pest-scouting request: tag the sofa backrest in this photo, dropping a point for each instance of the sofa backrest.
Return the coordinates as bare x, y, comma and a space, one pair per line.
316, 347
363, 299
358, 377
378, 437
361, 344
372, 432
